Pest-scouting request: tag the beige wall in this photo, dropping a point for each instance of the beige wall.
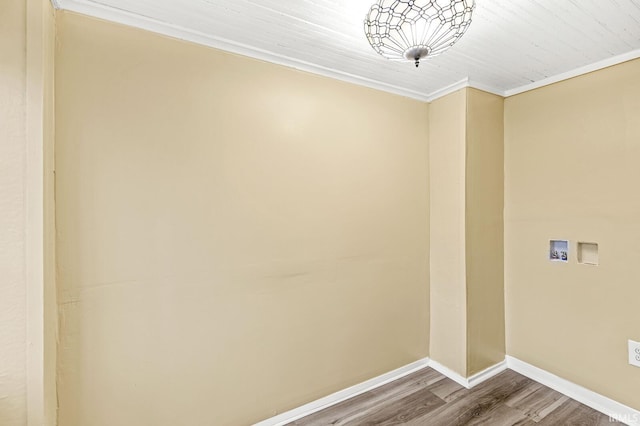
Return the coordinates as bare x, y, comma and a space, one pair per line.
235, 238
42, 321
12, 213
447, 150
27, 305
484, 199
254, 234
571, 164
467, 301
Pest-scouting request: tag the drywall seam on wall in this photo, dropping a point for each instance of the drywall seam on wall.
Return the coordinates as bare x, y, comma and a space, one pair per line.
51, 320
239, 226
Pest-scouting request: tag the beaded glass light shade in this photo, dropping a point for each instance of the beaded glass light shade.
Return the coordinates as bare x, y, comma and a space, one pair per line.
411, 30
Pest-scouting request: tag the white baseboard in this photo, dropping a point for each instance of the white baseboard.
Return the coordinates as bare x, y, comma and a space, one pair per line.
613, 409
486, 374
376, 382
589, 398
472, 381
446, 371
343, 395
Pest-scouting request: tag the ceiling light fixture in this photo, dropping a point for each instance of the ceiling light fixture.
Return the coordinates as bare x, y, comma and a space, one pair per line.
411, 30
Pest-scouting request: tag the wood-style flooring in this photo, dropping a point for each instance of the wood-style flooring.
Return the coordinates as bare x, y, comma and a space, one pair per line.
429, 398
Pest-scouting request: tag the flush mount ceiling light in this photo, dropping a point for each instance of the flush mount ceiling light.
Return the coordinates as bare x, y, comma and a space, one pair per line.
411, 30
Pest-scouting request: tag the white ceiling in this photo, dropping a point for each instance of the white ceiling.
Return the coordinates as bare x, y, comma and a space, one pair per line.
511, 46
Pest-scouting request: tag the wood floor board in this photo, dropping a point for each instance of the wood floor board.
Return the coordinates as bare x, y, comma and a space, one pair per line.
478, 402
572, 413
499, 415
402, 411
427, 398
423, 378
362, 405
526, 392
540, 403
448, 390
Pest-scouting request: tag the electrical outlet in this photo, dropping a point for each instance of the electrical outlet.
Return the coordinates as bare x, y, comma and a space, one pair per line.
634, 353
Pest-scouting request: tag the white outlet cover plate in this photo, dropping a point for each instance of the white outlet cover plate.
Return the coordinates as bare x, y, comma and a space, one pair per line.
634, 353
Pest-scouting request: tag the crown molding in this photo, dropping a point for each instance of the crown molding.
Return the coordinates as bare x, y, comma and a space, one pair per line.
447, 90
120, 16
615, 60
108, 13
485, 87
463, 84
101, 11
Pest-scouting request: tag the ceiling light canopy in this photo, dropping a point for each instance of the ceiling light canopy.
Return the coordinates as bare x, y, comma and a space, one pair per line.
411, 30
